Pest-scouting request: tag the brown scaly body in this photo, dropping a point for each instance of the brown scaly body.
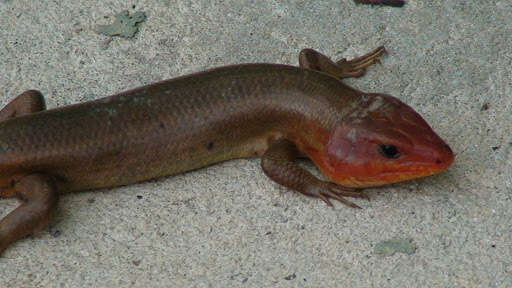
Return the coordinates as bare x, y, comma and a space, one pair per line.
276, 112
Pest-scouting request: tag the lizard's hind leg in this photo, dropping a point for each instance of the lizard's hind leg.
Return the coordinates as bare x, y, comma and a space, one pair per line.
38, 197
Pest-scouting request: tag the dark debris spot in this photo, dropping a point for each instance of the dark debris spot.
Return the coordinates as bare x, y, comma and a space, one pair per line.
393, 3
485, 107
290, 277
139, 196
21, 197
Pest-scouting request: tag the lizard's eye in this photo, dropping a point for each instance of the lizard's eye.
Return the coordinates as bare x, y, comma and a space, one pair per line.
390, 151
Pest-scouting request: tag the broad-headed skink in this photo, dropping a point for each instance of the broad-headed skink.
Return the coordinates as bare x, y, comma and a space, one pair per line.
276, 112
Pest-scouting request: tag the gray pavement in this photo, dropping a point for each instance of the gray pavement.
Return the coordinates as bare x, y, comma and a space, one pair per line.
228, 225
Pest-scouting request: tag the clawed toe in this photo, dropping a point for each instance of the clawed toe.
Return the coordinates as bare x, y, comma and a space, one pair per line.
347, 191
329, 190
333, 195
311, 59
357, 66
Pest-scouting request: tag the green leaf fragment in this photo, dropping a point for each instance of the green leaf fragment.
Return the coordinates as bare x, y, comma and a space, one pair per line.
390, 247
124, 25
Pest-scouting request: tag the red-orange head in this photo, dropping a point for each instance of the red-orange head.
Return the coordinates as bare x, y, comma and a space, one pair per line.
380, 141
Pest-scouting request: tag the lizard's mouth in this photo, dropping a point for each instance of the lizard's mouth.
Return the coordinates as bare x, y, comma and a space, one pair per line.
402, 172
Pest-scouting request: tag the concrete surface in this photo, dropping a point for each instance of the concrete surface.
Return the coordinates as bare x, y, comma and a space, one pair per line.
229, 226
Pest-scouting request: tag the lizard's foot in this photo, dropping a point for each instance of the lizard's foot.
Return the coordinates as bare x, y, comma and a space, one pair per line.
357, 66
312, 59
328, 190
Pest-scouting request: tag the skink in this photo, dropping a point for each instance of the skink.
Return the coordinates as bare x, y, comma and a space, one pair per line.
276, 112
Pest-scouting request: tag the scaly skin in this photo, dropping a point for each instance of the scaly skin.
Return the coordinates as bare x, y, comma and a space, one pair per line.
277, 112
